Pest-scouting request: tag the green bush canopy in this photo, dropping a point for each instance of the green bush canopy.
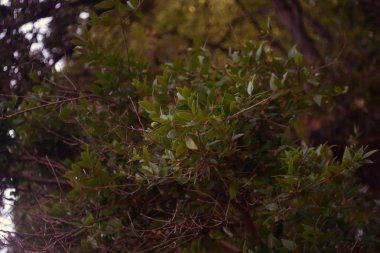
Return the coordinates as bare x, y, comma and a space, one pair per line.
205, 153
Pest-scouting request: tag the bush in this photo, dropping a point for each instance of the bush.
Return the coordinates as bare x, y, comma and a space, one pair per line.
209, 156
202, 158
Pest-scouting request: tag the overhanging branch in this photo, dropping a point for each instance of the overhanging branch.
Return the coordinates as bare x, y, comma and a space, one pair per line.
290, 14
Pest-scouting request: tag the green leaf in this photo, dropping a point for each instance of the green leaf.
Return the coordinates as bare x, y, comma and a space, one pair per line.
193, 107
235, 56
250, 88
284, 76
180, 97
130, 5
245, 248
190, 144
274, 82
289, 245
233, 189
295, 55
146, 170
89, 220
347, 154
269, 25
86, 160
340, 90
272, 241
148, 106
272, 206
155, 168
300, 130
236, 136
298, 59
259, 52
292, 52
318, 99
113, 226
290, 166
180, 150
188, 116
234, 107
201, 59
369, 153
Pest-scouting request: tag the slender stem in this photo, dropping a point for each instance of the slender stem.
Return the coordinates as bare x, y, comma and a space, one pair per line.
44, 105
249, 108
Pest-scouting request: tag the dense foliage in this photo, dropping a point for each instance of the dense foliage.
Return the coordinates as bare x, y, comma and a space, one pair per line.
205, 153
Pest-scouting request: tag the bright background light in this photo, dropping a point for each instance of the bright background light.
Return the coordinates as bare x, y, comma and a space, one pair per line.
5, 2
42, 27
6, 224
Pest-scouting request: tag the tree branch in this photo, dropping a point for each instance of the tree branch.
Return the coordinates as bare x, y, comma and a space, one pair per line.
255, 24
229, 246
290, 14
42, 180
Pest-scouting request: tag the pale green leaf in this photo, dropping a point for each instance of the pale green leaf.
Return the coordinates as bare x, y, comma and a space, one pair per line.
272, 206
146, 171
274, 82
130, 5
259, 52
250, 88
190, 144
369, 153
317, 99
236, 136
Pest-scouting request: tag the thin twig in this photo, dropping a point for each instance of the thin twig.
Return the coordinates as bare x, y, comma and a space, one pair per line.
229, 246
137, 113
334, 60
55, 175
45, 105
69, 80
249, 108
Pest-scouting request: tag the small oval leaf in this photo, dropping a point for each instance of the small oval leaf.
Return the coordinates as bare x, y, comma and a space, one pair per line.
190, 144
250, 88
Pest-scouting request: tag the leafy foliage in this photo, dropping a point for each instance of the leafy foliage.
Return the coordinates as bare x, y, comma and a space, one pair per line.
207, 156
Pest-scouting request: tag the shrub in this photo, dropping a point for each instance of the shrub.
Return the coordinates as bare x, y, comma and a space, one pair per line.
207, 157
202, 158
